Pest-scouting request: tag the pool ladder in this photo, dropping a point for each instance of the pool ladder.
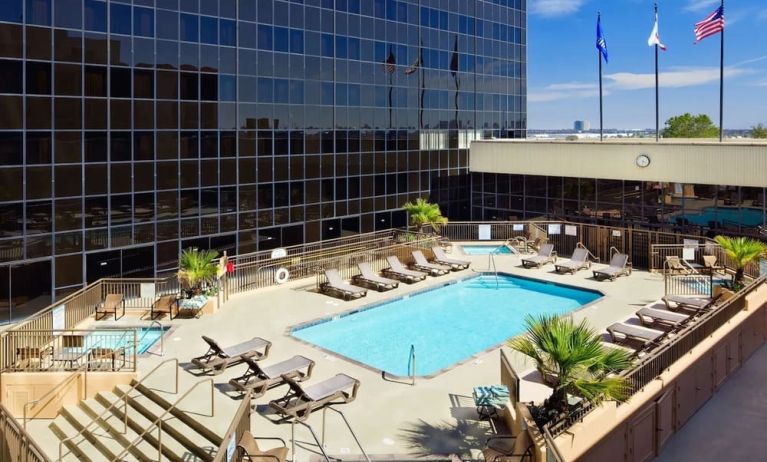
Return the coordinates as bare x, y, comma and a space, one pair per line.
162, 336
491, 265
411, 365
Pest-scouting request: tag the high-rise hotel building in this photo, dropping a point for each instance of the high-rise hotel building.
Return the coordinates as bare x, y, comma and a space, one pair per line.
131, 129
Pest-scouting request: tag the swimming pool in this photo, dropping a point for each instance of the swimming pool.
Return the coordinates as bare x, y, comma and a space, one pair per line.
446, 325
485, 249
146, 338
746, 216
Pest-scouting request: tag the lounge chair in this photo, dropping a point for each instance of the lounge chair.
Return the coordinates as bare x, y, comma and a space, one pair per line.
337, 285
545, 255
656, 317
621, 333
710, 264
110, 305
217, 359
165, 304
397, 270
578, 261
677, 302
422, 264
368, 276
619, 266
299, 402
441, 258
249, 451
260, 379
674, 265
507, 448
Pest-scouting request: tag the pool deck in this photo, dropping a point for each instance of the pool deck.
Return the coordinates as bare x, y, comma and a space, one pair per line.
436, 416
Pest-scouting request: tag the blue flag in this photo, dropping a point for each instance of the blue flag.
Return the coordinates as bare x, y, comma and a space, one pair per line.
601, 42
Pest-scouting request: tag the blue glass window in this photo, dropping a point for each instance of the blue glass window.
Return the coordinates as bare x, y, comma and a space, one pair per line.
143, 22
227, 32
354, 95
39, 12
68, 13
327, 93
190, 28
167, 24
209, 30
354, 48
120, 16
11, 10
265, 90
281, 41
341, 94
341, 47
354, 6
281, 91
95, 16
265, 37
296, 41
297, 91
326, 45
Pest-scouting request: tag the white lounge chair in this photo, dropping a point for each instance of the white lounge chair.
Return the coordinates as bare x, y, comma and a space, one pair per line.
656, 317
682, 302
619, 266
441, 258
337, 285
621, 333
368, 276
545, 255
422, 264
397, 270
217, 359
260, 379
578, 261
299, 402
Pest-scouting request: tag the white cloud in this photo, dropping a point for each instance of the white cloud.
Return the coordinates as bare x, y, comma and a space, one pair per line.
555, 7
569, 90
670, 79
698, 5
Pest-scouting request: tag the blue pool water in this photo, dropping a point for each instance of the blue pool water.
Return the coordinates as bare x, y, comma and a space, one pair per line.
145, 336
746, 216
446, 325
485, 249
148, 336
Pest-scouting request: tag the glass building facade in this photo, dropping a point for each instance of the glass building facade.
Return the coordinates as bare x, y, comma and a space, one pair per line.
132, 129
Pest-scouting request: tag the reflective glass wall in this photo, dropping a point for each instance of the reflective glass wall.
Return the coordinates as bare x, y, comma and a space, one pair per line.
132, 129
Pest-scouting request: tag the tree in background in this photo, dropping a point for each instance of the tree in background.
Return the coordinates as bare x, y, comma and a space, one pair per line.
690, 126
422, 212
758, 131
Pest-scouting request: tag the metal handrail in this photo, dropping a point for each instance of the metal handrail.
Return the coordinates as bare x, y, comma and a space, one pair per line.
551, 445
158, 422
411, 360
111, 406
162, 336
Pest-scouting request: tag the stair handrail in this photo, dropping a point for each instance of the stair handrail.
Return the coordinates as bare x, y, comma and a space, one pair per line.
111, 406
158, 421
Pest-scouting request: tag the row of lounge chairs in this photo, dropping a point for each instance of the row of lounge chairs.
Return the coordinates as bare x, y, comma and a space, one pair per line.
659, 320
115, 303
397, 272
298, 403
619, 265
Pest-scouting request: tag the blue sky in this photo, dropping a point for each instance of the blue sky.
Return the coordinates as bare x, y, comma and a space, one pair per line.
563, 76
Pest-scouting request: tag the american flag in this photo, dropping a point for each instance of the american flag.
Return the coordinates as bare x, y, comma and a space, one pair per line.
390, 65
712, 25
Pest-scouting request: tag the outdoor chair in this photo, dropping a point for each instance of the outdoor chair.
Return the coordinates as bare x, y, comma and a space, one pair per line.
111, 305
370, 277
32, 357
422, 264
507, 448
545, 255
681, 302
336, 285
442, 259
654, 317
623, 333
217, 359
299, 402
619, 266
165, 304
674, 265
397, 270
578, 261
249, 451
710, 264
261, 379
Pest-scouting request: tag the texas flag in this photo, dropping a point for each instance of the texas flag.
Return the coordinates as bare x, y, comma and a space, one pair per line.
655, 36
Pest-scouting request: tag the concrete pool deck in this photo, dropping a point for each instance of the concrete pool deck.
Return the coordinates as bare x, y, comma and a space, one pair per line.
434, 417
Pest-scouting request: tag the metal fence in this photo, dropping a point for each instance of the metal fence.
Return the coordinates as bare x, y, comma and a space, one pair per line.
693, 255
15, 443
637, 243
695, 285
240, 424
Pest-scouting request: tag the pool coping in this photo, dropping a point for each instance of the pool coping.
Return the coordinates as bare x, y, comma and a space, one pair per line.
387, 375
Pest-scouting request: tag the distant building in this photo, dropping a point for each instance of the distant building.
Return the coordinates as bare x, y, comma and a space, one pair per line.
581, 126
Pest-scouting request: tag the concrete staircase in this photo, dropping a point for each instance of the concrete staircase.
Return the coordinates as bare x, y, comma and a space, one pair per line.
188, 433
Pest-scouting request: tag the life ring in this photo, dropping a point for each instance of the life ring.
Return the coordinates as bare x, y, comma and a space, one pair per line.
281, 276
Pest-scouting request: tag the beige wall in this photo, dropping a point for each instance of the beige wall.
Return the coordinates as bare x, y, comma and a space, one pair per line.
739, 164
18, 388
637, 430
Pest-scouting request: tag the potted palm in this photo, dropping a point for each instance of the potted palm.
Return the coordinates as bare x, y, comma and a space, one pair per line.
423, 213
741, 251
573, 361
196, 269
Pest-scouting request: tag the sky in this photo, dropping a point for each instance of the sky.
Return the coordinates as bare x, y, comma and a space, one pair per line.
563, 67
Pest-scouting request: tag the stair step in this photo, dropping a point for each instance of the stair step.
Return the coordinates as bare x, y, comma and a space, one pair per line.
95, 434
78, 449
112, 424
172, 449
177, 425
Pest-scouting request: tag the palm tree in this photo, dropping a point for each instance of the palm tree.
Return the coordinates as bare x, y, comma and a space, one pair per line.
422, 213
197, 267
741, 251
573, 361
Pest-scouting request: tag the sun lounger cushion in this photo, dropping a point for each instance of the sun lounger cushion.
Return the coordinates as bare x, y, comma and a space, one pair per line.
635, 332
329, 387
285, 367
396, 266
662, 315
245, 347
692, 302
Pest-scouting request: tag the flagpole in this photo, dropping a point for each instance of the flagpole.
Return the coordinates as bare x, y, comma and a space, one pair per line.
601, 120
657, 87
721, 82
